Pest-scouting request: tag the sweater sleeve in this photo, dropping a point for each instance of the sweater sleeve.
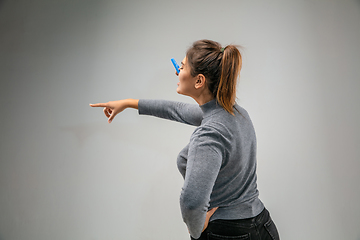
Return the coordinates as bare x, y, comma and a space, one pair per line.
176, 111
203, 165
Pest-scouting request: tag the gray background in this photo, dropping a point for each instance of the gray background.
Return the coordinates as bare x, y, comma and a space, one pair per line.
65, 173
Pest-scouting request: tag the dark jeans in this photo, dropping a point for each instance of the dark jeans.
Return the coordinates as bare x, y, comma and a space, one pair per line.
260, 227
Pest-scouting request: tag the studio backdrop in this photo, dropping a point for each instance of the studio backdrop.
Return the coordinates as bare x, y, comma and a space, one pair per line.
65, 173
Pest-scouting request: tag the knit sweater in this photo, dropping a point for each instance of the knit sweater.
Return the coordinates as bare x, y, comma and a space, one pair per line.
219, 163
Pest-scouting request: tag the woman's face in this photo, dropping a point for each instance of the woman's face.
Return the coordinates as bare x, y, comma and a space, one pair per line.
186, 84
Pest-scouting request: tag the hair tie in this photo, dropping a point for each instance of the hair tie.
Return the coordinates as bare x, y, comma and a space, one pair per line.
222, 49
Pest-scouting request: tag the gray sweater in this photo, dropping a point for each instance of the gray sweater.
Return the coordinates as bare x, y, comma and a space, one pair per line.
218, 164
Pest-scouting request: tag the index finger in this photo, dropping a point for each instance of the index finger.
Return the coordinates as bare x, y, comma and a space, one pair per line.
98, 105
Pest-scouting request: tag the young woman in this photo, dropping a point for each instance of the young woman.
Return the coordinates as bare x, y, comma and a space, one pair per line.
219, 199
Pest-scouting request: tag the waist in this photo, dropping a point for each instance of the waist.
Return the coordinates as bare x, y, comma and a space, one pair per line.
246, 210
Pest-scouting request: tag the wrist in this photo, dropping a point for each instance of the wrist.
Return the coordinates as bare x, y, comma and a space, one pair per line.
132, 103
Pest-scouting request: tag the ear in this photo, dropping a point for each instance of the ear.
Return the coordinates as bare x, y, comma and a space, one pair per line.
200, 81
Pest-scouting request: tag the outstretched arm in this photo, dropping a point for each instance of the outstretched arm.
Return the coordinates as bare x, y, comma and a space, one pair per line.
112, 108
176, 111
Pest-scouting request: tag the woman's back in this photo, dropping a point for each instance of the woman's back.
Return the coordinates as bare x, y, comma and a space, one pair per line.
232, 142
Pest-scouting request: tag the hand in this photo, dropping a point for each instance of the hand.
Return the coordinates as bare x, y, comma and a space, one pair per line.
208, 216
111, 109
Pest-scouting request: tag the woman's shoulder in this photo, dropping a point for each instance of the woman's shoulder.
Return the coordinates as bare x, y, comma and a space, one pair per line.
213, 129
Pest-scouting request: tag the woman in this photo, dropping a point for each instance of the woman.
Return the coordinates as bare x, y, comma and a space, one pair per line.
219, 199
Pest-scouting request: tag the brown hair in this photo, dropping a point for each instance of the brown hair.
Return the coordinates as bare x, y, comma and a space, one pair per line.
220, 66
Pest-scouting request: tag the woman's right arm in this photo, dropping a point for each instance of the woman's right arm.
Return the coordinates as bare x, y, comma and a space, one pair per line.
176, 111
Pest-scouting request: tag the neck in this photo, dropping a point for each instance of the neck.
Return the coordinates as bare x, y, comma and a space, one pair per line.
203, 98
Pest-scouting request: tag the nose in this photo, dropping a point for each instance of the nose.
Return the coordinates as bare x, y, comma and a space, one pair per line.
176, 73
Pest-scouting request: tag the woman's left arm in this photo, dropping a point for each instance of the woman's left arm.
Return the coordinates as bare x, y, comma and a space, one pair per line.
203, 165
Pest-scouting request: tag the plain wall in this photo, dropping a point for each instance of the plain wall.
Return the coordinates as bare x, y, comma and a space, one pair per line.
65, 173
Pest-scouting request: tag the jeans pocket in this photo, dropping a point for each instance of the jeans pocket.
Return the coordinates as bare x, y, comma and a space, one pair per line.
271, 229
212, 236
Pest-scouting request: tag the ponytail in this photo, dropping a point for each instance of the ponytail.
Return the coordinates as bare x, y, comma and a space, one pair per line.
221, 68
230, 68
